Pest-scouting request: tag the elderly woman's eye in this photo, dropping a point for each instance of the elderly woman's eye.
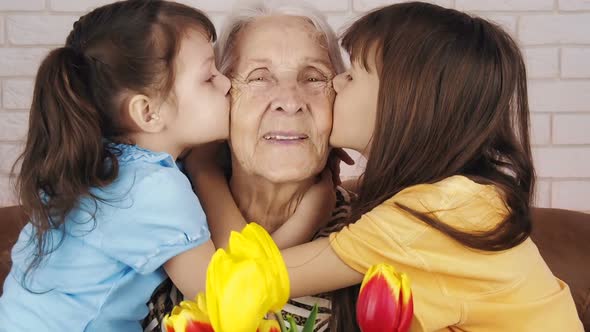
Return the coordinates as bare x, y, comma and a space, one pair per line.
314, 76
259, 75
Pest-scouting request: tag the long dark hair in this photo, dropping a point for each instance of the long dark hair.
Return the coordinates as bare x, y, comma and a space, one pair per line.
79, 100
452, 101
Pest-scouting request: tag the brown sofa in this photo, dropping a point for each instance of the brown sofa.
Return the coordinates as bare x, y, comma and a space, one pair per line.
563, 238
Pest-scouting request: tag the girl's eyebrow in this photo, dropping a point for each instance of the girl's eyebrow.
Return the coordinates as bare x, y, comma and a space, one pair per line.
208, 61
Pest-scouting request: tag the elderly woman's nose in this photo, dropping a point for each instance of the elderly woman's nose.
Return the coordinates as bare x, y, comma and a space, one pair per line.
289, 100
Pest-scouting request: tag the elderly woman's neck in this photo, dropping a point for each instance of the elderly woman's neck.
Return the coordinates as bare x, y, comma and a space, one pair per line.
266, 203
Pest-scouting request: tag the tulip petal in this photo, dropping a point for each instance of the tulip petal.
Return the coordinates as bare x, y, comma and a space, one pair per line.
407, 305
377, 307
243, 247
269, 325
255, 242
198, 327
384, 300
244, 282
281, 276
183, 323
188, 316
227, 278
201, 301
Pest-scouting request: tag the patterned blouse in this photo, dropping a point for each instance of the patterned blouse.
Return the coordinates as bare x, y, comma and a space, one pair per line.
166, 296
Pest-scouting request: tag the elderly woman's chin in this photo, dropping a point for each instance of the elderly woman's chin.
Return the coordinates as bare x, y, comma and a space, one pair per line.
285, 163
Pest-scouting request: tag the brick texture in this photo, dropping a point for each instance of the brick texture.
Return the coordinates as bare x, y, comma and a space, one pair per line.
554, 35
22, 5
505, 5
39, 30
575, 62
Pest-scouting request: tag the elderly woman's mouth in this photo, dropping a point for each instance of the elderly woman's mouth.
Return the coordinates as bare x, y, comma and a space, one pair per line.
285, 137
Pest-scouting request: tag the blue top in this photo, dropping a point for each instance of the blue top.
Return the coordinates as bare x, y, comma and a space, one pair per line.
105, 270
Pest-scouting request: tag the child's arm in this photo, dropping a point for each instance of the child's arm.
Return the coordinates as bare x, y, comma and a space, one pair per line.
188, 270
224, 216
314, 268
313, 212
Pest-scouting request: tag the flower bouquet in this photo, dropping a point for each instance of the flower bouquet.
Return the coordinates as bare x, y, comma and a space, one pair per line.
248, 284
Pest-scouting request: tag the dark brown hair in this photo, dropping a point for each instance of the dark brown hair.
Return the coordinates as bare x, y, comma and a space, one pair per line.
79, 100
452, 101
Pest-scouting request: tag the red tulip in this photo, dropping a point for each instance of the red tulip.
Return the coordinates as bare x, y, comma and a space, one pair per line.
189, 316
385, 301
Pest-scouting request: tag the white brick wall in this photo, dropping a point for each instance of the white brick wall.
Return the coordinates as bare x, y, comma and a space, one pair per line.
505, 5
16, 93
576, 62
571, 129
542, 62
38, 29
22, 5
573, 5
555, 35
558, 28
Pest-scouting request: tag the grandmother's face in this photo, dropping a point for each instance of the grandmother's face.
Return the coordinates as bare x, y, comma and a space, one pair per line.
282, 99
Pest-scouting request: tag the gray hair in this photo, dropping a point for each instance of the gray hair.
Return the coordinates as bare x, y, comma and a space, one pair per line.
244, 13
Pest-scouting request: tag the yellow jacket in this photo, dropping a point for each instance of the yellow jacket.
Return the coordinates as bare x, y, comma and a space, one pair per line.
457, 288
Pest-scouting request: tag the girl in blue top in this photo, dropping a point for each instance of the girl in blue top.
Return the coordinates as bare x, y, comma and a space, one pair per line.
110, 213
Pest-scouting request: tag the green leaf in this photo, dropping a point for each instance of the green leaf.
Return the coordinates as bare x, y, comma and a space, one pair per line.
310, 323
292, 324
279, 317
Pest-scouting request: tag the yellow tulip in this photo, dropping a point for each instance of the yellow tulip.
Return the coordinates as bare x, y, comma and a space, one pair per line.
255, 243
188, 316
245, 282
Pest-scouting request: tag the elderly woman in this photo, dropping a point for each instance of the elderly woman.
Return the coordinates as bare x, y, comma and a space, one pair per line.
281, 59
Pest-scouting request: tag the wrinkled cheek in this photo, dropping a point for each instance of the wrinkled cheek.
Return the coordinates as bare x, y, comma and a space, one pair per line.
322, 113
323, 91
246, 110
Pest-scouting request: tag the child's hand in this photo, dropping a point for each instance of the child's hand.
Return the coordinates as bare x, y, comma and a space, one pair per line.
319, 201
336, 157
313, 212
203, 159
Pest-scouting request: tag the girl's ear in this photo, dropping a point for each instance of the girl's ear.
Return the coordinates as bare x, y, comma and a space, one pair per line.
144, 114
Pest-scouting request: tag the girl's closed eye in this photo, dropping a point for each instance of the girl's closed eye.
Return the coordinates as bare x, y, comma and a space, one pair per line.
211, 78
